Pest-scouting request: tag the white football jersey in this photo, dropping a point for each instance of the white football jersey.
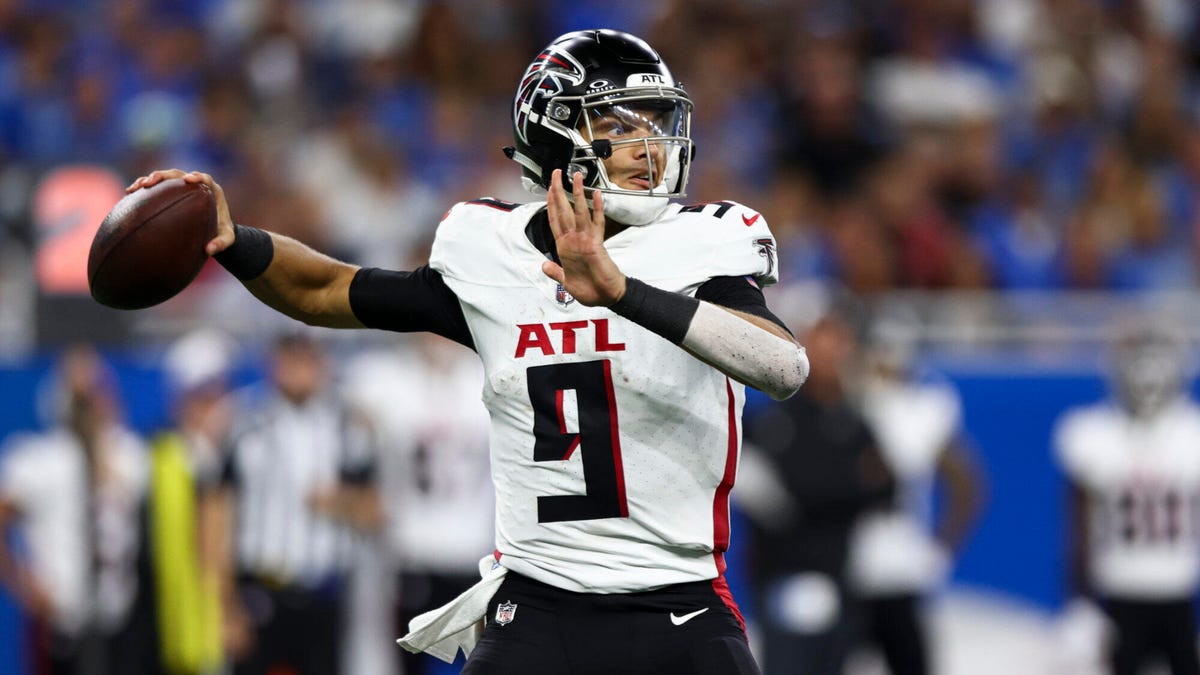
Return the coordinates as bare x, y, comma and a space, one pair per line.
433, 464
1142, 480
613, 451
45, 476
894, 551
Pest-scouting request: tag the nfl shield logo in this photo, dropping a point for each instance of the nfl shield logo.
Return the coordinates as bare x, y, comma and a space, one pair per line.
505, 613
564, 298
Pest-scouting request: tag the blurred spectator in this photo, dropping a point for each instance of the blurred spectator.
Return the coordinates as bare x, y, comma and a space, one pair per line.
434, 471
801, 233
811, 467
895, 558
75, 492
367, 196
1135, 485
829, 129
297, 484
187, 584
931, 251
864, 254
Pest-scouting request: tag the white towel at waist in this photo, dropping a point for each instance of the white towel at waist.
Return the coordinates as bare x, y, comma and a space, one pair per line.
457, 624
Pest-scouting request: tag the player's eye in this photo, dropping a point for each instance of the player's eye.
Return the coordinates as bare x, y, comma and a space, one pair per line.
610, 127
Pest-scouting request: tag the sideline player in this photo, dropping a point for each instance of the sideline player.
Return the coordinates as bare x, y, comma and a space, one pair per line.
617, 330
1134, 468
902, 554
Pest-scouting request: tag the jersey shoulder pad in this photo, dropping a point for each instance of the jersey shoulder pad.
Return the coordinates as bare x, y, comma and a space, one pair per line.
1075, 434
733, 237
472, 232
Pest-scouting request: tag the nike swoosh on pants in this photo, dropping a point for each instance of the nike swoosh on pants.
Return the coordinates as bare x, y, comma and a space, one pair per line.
680, 620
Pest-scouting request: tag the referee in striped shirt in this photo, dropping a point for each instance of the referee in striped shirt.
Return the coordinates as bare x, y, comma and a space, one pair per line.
297, 491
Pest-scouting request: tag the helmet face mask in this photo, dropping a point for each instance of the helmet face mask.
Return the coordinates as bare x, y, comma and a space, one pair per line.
655, 128
593, 94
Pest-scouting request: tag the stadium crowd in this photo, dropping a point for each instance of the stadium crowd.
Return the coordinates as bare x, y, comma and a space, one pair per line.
1029, 144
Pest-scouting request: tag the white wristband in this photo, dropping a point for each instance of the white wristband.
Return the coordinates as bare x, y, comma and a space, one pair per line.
746, 352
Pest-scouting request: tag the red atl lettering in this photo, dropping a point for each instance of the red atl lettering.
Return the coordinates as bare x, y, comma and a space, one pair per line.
568, 328
536, 336
602, 343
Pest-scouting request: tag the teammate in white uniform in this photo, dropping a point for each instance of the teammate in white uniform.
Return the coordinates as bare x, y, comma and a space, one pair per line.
1134, 465
899, 555
616, 331
76, 492
434, 477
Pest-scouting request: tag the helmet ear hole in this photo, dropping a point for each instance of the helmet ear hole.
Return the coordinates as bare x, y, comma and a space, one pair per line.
572, 169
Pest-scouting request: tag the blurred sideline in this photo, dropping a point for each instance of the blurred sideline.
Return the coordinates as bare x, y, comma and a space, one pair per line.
1015, 378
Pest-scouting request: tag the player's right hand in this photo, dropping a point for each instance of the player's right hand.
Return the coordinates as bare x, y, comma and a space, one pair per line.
585, 270
224, 238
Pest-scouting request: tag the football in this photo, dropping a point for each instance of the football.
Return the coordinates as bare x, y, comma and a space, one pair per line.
151, 245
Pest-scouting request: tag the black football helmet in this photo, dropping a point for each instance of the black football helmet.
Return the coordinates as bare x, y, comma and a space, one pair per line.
585, 76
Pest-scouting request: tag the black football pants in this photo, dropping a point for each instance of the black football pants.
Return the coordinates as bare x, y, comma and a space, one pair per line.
893, 625
1146, 629
685, 629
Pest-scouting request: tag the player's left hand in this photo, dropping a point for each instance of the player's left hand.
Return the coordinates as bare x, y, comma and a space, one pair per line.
587, 272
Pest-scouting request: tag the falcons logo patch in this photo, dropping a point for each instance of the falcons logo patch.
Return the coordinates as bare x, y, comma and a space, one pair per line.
766, 249
544, 79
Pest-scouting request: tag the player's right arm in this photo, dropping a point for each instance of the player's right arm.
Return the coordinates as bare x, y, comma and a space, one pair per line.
296, 280
306, 285
318, 290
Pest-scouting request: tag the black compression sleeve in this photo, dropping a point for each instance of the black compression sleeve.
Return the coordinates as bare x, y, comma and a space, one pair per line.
406, 302
250, 255
740, 294
663, 312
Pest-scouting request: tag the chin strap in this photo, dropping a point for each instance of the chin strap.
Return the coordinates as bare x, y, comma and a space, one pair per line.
634, 209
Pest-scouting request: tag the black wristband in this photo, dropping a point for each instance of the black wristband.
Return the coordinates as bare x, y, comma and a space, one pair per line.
250, 254
663, 312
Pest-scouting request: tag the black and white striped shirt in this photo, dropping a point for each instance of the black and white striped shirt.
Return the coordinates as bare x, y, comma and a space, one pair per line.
278, 457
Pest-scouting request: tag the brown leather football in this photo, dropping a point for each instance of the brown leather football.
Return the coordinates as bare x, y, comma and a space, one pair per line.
151, 245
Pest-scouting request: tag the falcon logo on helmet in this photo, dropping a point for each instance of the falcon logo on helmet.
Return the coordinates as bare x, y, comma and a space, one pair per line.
543, 79
603, 77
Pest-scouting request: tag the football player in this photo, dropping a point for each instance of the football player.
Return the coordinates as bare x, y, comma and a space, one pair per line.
1135, 473
617, 331
903, 553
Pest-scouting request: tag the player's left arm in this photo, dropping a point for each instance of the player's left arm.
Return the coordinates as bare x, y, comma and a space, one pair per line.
751, 349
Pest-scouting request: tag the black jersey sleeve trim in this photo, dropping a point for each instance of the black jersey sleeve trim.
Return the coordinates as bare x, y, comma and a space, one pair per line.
406, 302
740, 293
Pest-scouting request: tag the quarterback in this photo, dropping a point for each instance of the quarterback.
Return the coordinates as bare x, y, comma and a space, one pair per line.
617, 330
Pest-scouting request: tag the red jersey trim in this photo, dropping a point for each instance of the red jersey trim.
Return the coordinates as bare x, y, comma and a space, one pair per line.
615, 431
721, 588
721, 498
721, 510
